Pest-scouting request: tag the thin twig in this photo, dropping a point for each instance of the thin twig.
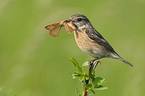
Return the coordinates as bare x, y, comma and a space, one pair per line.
85, 93
87, 81
92, 66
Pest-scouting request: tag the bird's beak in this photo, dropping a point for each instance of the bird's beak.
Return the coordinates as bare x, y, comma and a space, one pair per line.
67, 21
70, 24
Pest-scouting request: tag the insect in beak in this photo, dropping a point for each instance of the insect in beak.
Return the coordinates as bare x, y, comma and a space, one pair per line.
54, 29
70, 24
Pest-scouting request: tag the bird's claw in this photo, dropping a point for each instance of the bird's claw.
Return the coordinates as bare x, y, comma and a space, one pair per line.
93, 63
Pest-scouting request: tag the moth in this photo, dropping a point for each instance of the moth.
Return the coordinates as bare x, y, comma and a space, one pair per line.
55, 28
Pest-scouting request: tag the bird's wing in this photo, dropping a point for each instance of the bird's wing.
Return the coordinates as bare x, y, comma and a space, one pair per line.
98, 38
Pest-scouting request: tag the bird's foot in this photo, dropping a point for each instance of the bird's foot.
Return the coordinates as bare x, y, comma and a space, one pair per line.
96, 62
93, 63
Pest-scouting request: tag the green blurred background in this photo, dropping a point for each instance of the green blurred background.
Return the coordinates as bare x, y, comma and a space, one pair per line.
32, 63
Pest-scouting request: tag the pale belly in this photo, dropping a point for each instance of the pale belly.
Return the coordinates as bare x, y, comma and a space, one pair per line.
88, 46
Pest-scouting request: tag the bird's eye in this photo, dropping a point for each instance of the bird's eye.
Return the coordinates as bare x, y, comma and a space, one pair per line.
79, 19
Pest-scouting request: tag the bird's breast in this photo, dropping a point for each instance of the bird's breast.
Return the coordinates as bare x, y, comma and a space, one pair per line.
89, 46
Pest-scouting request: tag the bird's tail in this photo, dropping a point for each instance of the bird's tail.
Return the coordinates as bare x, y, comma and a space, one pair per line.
115, 55
123, 60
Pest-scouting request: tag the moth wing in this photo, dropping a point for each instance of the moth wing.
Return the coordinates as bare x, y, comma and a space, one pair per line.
55, 32
68, 28
54, 29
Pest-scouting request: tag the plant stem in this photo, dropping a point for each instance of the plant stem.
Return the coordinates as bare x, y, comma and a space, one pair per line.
87, 81
85, 93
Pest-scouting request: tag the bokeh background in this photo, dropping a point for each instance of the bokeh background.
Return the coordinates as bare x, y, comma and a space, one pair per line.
32, 63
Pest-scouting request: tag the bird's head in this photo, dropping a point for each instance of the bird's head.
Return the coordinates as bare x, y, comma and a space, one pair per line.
79, 21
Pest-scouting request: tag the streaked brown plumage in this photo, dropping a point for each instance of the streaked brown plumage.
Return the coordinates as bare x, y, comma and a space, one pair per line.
91, 41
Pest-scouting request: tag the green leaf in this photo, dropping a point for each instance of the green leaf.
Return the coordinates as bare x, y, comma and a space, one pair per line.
77, 75
96, 86
92, 91
74, 61
88, 93
92, 75
84, 85
78, 92
76, 64
98, 81
86, 77
95, 83
89, 86
85, 64
101, 88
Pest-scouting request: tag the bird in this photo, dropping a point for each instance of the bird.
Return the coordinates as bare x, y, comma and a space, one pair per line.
90, 41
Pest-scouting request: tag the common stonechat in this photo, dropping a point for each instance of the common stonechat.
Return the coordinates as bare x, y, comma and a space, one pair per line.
87, 38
